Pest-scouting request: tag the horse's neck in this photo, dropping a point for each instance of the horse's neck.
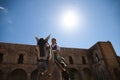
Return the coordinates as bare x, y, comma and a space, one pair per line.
50, 56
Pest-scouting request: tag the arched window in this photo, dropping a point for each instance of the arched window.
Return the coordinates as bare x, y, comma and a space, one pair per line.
97, 58
20, 59
87, 74
70, 60
83, 60
1, 57
1, 75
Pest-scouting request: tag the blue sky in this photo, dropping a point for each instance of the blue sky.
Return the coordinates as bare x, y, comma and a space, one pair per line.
22, 20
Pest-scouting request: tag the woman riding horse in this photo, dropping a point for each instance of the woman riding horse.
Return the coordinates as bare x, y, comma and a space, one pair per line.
46, 61
57, 56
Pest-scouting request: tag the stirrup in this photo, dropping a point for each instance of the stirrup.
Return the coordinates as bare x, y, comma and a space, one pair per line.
64, 64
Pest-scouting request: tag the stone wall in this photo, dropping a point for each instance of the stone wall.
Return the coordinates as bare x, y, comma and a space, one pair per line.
100, 62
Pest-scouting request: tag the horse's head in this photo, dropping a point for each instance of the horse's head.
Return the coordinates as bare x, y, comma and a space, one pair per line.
43, 48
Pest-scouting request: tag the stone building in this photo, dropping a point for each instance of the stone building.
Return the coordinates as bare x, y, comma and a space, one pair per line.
100, 62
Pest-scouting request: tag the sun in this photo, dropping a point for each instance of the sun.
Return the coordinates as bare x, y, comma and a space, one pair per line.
69, 20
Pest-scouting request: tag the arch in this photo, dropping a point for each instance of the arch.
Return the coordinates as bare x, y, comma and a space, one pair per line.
102, 73
71, 60
117, 73
1, 75
74, 74
86, 74
34, 75
18, 74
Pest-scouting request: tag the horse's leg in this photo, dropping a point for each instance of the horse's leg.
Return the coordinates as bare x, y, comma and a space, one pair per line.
50, 64
50, 68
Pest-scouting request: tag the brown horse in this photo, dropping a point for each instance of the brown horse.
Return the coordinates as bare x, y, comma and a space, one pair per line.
47, 69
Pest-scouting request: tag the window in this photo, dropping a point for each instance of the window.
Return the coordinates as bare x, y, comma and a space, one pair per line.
83, 60
1, 57
20, 59
97, 58
70, 60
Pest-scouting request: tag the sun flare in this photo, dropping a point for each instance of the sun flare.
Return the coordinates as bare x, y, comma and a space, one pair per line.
69, 20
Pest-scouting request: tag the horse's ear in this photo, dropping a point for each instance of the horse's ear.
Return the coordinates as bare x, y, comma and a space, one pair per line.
37, 39
47, 38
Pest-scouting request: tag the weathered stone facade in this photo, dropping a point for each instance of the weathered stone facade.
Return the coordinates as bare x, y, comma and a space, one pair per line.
100, 62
